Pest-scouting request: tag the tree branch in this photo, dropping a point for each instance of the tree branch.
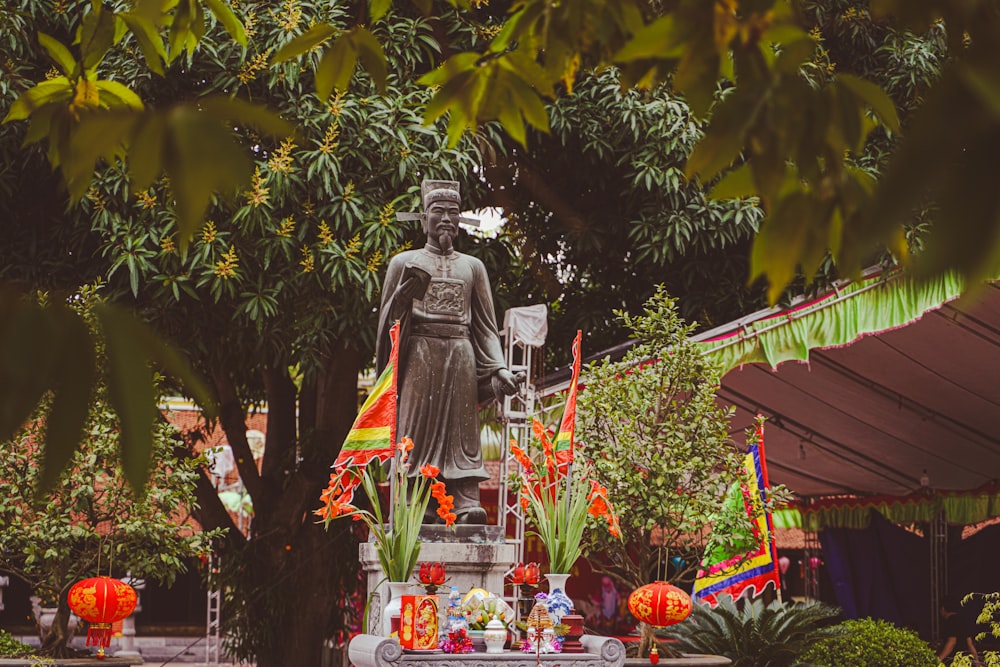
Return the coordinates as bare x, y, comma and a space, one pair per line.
232, 417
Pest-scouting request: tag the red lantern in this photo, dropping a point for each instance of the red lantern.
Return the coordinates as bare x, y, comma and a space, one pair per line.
101, 601
660, 604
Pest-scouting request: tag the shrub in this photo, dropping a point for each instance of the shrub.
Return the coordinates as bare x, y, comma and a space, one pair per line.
752, 633
871, 643
11, 647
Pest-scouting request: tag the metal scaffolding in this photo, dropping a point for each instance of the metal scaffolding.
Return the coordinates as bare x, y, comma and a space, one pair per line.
213, 621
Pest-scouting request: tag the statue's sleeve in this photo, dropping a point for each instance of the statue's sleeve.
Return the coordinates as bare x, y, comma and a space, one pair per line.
386, 316
485, 337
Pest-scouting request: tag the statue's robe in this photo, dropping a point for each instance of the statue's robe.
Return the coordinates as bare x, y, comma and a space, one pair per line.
449, 349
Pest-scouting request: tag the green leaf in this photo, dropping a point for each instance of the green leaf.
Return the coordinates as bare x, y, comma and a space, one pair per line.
224, 13
336, 67
529, 102
60, 54
130, 388
312, 37
371, 55
662, 38
736, 184
121, 94
145, 155
97, 34
459, 64
511, 120
874, 97
100, 134
26, 359
51, 91
150, 42
722, 143
180, 35
984, 82
378, 8
246, 114
782, 242
71, 394
202, 158
794, 53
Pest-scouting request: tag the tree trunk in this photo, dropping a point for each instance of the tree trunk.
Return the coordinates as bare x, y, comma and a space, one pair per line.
295, 578
54, 644
304, 587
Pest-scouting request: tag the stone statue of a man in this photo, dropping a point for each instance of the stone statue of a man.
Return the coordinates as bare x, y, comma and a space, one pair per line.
450, 353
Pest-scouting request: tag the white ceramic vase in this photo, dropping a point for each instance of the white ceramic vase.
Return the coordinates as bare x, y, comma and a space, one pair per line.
395, 605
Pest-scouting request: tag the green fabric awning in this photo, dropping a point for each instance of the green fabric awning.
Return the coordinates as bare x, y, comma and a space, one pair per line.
869, 306
959, 508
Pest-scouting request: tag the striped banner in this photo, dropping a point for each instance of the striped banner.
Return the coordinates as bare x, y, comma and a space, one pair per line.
374, 430
755, 570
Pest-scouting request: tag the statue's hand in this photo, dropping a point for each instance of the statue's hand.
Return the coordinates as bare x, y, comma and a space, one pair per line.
506, 383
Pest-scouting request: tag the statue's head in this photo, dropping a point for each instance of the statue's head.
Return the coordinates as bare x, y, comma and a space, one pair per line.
442, 209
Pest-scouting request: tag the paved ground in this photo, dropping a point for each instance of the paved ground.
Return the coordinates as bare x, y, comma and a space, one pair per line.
156, 651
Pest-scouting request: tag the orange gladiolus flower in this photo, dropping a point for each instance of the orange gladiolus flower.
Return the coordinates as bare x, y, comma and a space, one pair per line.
522, 457
598, 507
428, 470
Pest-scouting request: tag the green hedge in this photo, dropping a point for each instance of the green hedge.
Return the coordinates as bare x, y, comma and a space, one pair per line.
871, 643
10, 647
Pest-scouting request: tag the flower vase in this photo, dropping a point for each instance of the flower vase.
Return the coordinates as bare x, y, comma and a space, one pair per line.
393, 609
558, 603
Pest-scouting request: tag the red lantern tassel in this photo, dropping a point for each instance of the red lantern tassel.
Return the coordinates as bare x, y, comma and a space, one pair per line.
99, 634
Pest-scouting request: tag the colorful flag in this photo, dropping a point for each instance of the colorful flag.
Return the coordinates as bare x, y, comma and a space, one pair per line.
754, 570
374, 430
564, 439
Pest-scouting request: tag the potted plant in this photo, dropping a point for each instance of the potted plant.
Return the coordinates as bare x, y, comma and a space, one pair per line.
560, 503
396, 540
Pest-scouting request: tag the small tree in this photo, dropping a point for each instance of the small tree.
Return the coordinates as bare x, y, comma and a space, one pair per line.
659, 442
90, 522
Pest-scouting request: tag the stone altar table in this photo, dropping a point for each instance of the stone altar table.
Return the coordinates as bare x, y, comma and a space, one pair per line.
372, 651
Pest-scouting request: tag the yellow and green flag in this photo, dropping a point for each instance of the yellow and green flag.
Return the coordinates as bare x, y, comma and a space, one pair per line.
564, 439
374, 430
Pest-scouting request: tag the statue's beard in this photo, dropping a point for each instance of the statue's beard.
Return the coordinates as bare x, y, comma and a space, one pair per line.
444, 241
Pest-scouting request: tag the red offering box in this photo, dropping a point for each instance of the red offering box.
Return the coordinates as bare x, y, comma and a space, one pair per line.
418, 622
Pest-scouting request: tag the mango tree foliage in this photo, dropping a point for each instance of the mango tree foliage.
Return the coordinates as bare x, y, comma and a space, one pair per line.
789, 140
90, 521
602, 214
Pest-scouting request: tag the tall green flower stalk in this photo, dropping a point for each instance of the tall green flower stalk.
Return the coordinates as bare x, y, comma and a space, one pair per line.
559, 502
397, 540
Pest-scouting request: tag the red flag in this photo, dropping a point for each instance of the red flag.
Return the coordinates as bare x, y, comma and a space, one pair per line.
564, 439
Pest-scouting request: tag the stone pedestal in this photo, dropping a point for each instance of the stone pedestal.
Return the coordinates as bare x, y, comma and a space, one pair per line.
371, 651
474, 556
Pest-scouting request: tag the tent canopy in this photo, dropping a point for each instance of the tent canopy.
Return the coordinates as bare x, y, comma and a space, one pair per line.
899, 389
884, 387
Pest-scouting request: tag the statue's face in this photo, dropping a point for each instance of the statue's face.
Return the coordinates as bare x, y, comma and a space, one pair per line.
442, 218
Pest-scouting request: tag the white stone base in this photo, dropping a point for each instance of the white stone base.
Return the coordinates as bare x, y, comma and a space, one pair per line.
468, 564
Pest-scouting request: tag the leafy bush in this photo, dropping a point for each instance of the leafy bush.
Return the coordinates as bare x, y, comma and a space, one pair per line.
11, 647
752, 633
871, 643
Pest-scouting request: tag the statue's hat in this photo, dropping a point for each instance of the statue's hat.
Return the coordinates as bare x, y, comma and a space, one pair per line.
432, 191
